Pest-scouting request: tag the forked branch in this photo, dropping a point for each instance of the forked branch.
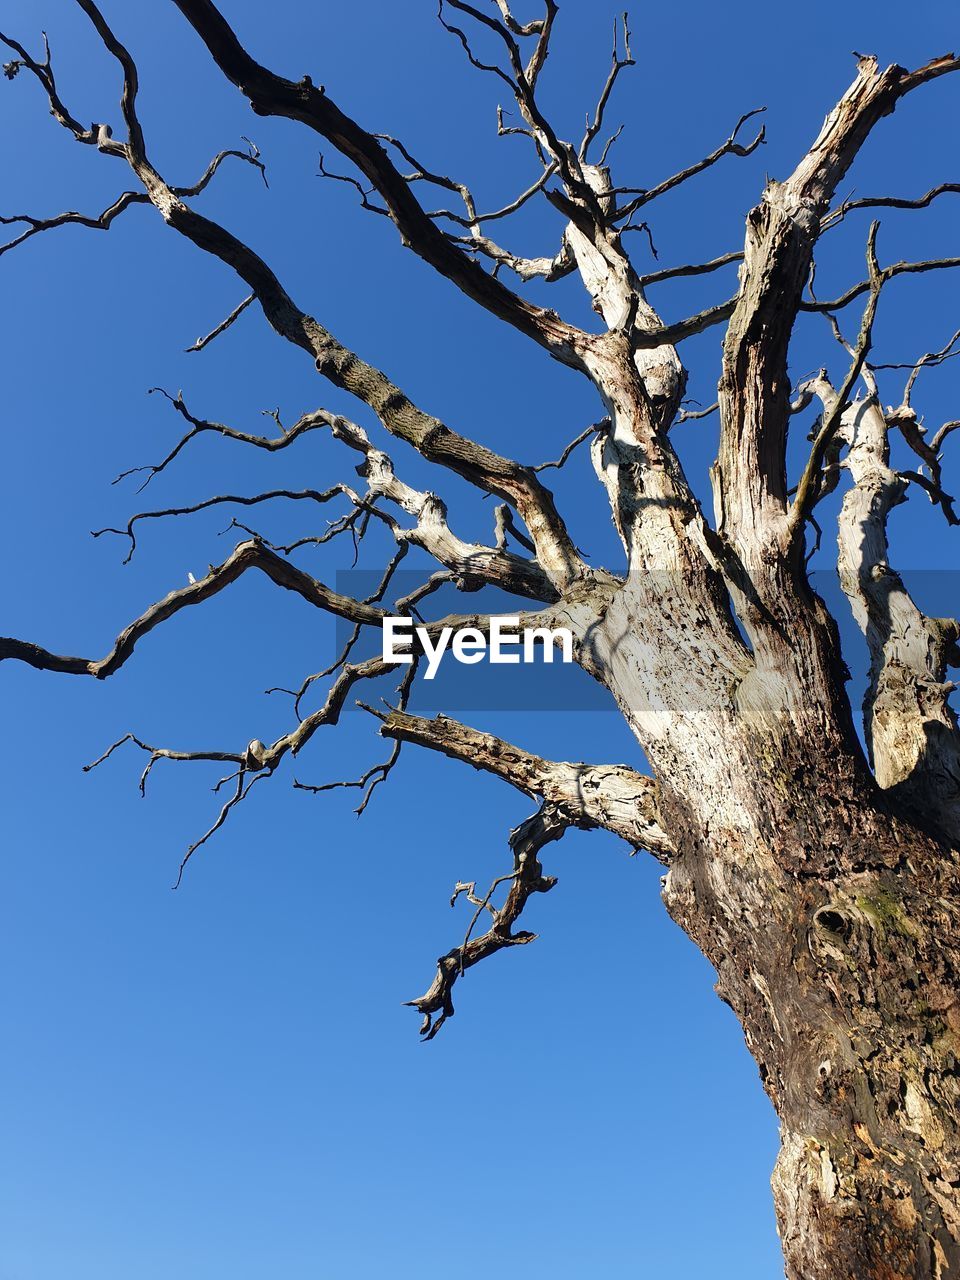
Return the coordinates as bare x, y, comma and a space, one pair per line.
525, 879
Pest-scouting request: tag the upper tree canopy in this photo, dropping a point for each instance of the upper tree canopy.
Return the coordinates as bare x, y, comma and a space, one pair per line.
755, 548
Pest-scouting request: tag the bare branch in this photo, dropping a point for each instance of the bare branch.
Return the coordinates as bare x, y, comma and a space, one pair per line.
433, 532
421, 173
472, 58
97, 135
887, 202
911, 730
542, 29
163, 753
270, 94
618, 64
251, 157
750, 485
364, 192
312, 495
806, 489
408, 603
102, 222
693, 415
613, 797
475, 219
594, 429
242, 789
504, 526
257, 760
615, 785
497, 475
309, 422
128, 99
526, 878
673, 334
367, 782
895, 269
507, 130
931, 360
522, 84
938, 496
947, 429
727, 148
548, 269
247, 555
697, 269
378, 773
223, 326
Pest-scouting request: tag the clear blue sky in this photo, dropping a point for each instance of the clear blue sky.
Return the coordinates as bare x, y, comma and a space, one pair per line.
221, 1082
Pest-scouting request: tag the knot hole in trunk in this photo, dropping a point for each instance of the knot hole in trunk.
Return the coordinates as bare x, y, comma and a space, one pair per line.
833, 922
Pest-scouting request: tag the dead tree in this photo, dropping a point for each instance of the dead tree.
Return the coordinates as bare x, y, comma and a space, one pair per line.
821, 880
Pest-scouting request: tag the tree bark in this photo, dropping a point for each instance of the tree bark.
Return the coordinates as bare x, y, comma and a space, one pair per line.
832, 923
846, 988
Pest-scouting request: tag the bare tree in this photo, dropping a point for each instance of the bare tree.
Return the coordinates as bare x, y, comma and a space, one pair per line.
820, 880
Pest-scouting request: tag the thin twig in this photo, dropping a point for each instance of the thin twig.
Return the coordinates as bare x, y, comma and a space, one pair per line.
223, 326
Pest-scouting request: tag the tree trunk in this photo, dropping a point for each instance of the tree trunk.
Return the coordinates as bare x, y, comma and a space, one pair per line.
827, 906
830, 913
833, 928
